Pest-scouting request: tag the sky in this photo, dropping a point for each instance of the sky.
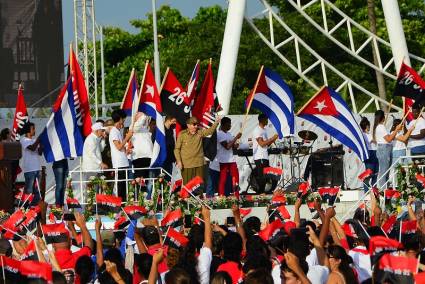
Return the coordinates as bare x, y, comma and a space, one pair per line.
119, 12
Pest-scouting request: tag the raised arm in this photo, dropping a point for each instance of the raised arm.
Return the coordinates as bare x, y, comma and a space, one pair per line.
99, 244
81, 222
206, 214
238, 223
297, 218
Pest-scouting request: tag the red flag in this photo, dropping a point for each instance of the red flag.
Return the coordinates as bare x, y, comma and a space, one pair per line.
303, 189
278, 200
272, 173
311, 206
177, 186
10, 264
288, 226
121, 223
271, 230
388, 226
173, 98
173, 218
333, 193
81, 99
349, 230
420, 277
409, 227
245, 211
283, 212
36, 269
175, 239
135, 211
72, 203
379, 245
420, 178
55, 233
207, 102
30, 217
30, 253
194, 186
364, 175
398, 268
21, 114
14, 220
107, 202
191, 86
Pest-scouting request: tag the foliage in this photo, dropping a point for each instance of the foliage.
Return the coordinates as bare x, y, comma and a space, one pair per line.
182, 41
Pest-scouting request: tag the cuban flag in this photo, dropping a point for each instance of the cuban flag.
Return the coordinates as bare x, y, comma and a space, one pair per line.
131, 96
150, 104
61, 138
191, 86
273, 97
329, 111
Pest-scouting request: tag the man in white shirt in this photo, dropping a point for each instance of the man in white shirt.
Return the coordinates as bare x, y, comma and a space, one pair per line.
226, 144
92, 157
31, 164
260, 143
416, 141
118, 150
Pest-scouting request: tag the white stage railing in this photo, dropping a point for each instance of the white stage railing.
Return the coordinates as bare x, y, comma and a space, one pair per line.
391, 177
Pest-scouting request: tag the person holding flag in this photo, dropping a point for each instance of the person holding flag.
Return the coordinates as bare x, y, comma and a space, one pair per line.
189, 151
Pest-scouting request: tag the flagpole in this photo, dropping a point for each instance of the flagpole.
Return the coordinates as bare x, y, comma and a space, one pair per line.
311, 99
128, 217
128, 87
251, 99
165, 237
401, 226
388, 111
361, 225
196, 198
2, 269
163, 80
140, 92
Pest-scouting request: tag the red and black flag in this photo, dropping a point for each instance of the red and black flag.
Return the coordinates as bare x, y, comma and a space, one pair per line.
245, 212
303, 189
410, 85
364, 175
278, 200
333, 193
135, 211
10, 265
349, 230
72, 203
388, 226
55, 233
272, 229
173, 219
420, 178
389, 194
23, 199
311, 206
175, 239
121, 223
283, 212
30, 253
288, 226
396, 269
16, 219
378, 245
173, 97
272, 173
177, 186
408, 227
36, 270
194, 187
108, 203
31, 217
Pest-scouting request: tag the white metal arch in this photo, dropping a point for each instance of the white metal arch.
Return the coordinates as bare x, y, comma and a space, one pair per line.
320, 62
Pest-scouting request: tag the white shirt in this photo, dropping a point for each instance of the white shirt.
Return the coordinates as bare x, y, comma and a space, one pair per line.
380, 133
142, 142
92, 157
362, 263
258, 151
368, 139
204, 264
119, 158
224, 155
31, 159
398, 145
318, 274
418, 127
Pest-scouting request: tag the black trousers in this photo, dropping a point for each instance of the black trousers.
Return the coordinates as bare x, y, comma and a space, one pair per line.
141, 163
261, 178
121, 185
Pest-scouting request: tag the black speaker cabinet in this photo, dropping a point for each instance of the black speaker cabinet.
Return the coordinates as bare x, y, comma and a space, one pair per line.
327, 171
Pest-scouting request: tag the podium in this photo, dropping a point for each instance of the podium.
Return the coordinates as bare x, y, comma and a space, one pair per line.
10, 152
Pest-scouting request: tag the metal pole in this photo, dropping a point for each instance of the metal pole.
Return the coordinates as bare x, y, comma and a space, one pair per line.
395, 32
229, 52
86, 58
96, 103
155, 46
102, 70
75, 27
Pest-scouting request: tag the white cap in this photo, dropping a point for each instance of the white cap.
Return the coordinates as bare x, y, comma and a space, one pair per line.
97, 126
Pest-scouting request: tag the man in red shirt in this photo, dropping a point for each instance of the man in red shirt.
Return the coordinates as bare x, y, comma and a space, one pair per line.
64, 256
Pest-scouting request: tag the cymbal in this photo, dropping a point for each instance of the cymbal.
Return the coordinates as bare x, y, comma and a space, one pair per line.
307, 135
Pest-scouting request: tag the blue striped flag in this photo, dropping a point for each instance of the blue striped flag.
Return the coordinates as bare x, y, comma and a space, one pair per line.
328, 110
61, 138
273, 97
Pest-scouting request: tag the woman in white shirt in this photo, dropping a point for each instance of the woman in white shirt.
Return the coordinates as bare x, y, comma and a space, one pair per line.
384, 146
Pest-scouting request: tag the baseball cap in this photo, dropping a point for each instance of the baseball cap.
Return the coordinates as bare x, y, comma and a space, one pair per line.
97, 126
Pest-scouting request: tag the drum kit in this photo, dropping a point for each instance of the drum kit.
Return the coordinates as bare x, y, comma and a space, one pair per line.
296, 150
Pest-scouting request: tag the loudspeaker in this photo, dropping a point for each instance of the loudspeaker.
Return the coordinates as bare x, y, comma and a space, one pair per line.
327, 171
